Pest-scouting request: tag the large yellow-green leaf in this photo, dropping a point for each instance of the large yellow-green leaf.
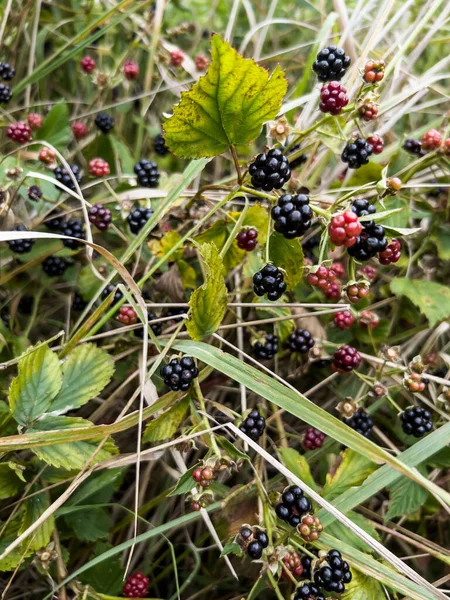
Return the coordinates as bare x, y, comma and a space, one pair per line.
38, 382
208, 302
165, 426
352, 471
287, 255
432, 299
227, 106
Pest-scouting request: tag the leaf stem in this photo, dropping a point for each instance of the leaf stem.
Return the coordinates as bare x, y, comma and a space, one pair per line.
236, 163
267, 249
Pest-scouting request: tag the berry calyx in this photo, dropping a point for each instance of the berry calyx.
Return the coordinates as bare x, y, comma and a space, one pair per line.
374, 71
247, 239
361, 422
201, 62
356, 153
136, 586
98, 167
130, 70
127, 315
432, 140
313, 439
253, 425
179, 373
292, 215
79, 130
300, 341
47, 155
176, 58
416, 421
392, 253
147, 173
19, 132
104, 122
343, 320
35, 120
345, 359
333, 98
377, 143
270, 170
87, 64
100, 216
266, 350
138, 217
269, 281
331, 64
344, 229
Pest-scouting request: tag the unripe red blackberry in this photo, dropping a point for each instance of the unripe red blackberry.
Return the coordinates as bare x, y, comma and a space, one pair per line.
136, 586
98, 167
19, 132
344, 229
369, 272
368, 111
357, 291
87, 64
35, 120
130, 70
293, 564
100, 216
338, 268
203, 476
374, 71
414, 382
432, 140
331, 64
47, 155
247, 239
392, 253
369, 319
333, 291
322, 277
333, 98
127, 315
310, 528
377, 143
343, 319
446, 147
79, 130
345, 359
201, 63
356, 153
313, 439
195, 506
176, 58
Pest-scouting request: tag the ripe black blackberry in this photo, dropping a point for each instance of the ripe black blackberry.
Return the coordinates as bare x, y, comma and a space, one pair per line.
138, 217
371, 241
159, 145
270, 170
54, 220
156, 327
267, 349
306, 564
256, 547
331, 64
362, 207
292, 215
74, 229
413, 147
269, 281
78, 302
147, 173
253, 425
54, 266
6, 71
174, 311
416, 421
21, 246
104, 122
5, 93
34, 193
334, 574
62, 175
25, 306
361, 422
307, 591
108, 290
357, 153
294, 504
179, 373
301, 341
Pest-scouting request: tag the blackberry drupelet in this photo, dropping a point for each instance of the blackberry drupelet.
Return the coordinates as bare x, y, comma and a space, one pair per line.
147, 173
361, 422
306, 590
54, 221
253, 425
108, 290
21, 246
301, 341
6, 71
270, 170
334, 574
292, 215
75, 229
357, 153
266, 350
138, 217
156, 327
104, 122
63, 176
416, 421
179, 374
159, 145
331, 64
54, 266
78, 302
5, 93
269, 281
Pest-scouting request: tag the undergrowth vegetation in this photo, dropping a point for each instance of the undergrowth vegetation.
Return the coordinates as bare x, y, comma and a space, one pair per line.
224, 261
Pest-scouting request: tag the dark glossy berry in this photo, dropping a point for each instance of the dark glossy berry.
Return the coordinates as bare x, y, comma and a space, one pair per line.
34, 193
362, 208
344, 229
155, 327
130, 70
267, 349
357, 153
74, 229
98, 167
147, 173
247, 239
255, 550
78, 302
313, 439
136, 586
377, 143
54, 220
63, 176
333, 98
179, 374
345, 359
334, 574
6, 71
5, 93
245, 533
269, 281
391, 254
270, 170
306, 590
416, 421
331, 64
283, 511
301, 341
100, 216
343, 319
413, 146
361, 422
118, 295
306, 564
369, 243
293, 505
253, 425
87, 64
292, 215
54, 266
262, 537
104, 122
25, 306
159, 145
19, 132
175, 311
21, 246
138, 217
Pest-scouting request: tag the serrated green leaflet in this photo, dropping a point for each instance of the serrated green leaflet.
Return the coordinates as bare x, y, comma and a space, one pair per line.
432, 299
33, 509
287, 255
165, 426
226, 107
406, 498
352, 471
363, 587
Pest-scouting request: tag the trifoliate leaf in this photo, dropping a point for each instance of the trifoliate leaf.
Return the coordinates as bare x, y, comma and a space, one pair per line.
287, 255
227, 106
166, 425
432, 299
208, 303
363, 587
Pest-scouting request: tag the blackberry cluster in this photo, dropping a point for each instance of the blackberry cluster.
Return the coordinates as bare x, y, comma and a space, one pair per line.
54, 221
270, 170
331, 64
293, 506
391, 254
5, 93
266, 350
334, 574
333, 98
136, 586
100, 216
413, 147
357, 153
253, 540
307, 591
19, 132
253, 425
159, 145
62, 175
313, 439
155, 327
345, 359
361, 422
74, 229
6, 71
104, 122
292, 215
416, 421
343, 319
34, 193
179, 373
269, 281
127, 315
138, 217
108, 290
372, 239
147, 173
293, 564
21, 246
301, 341
54, 266
203, 476
78, 302
344, 229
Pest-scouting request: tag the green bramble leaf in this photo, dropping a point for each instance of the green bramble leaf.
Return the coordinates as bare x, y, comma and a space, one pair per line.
226, 107
56, 128
11, 479
86, 372
406, 498
165, 426
185, 483
34, 506
208, 302
363, 587
89, 524
287, 255
432, 299
343, 533
38, 382
232, 548
297, 464
352, 471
